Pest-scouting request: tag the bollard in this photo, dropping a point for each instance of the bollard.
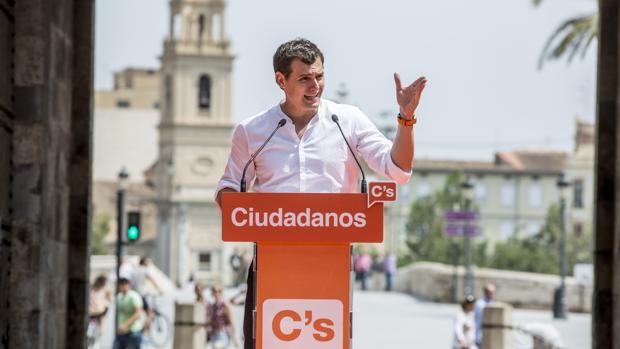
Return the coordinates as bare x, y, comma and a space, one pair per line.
189, 329
497, 326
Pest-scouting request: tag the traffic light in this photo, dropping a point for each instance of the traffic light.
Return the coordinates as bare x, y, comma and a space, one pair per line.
133, 226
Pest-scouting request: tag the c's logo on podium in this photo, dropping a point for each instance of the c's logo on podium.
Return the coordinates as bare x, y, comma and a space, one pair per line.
323, 327
381, 192
302, 323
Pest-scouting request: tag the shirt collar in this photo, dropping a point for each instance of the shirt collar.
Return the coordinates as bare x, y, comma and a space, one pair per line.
318, 116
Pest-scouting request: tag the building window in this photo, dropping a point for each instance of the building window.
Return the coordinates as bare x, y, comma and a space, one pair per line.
423, 189
578, 193
204, 94
168, 93
204, 261
201, 25
123, 103
578, 229
481, 193
506, 230
405, 192
533, 228
507, 194
535, 195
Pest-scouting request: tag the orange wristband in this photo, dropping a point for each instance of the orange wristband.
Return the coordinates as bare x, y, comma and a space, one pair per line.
407, 122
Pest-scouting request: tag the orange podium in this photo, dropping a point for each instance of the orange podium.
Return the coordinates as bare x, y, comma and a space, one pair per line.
303, 262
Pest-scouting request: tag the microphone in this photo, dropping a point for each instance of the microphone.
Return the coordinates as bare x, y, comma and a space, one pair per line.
242, 188
364, 187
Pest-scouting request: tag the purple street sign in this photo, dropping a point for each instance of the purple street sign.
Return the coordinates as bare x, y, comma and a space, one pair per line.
451, 229
461, 216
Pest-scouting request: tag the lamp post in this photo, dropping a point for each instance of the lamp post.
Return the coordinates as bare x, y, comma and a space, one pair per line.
559, 295
468, 192
123, 182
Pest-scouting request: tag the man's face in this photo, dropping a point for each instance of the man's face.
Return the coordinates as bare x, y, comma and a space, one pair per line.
489, 292
123, 287
304, 85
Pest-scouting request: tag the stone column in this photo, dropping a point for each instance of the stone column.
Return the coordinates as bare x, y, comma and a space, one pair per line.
50, 154
605, 309
7, 114
80, 169
496, 333
189, 331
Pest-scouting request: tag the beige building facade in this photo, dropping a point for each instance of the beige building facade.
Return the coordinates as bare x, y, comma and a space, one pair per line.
513, 192
134, 88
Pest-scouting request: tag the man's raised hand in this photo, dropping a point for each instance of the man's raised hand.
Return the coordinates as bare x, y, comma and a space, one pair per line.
408, 97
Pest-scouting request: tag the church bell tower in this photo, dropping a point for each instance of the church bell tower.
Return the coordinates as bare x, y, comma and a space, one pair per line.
194, 143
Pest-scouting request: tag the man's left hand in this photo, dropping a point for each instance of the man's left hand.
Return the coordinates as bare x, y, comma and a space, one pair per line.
408, 97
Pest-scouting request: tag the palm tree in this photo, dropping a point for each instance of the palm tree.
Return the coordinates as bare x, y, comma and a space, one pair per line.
572, 37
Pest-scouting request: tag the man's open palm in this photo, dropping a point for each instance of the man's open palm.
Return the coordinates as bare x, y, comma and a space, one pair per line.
408, 97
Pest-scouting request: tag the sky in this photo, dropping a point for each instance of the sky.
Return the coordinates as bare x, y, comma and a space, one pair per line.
484, 94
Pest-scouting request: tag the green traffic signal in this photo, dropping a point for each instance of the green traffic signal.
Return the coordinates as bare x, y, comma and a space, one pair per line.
133, 233
133, 226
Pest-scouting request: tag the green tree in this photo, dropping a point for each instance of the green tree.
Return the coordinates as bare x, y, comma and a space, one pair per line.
101, 228
572, 37
425, 225
538, 254
541, 252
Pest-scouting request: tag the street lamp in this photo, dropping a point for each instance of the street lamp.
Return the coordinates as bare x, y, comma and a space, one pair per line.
123, 182
468, 193
559, 295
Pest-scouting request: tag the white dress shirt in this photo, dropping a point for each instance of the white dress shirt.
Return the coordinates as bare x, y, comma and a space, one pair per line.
318, 162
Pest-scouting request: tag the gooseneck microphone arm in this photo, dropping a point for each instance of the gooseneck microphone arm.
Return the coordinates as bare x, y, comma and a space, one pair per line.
242, 185
364, 186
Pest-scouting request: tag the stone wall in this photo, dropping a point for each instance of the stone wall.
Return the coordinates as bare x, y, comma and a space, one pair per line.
433, 282
606, 312
7, 114
46, 52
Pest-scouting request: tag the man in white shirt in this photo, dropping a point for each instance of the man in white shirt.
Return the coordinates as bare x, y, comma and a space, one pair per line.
308, 154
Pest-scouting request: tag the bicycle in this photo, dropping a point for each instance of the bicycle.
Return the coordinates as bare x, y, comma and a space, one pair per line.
158, 329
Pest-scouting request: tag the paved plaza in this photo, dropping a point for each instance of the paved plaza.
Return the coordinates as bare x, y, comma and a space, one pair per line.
398, 321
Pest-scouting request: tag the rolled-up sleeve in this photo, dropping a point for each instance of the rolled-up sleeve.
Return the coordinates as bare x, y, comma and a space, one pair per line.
375, 148
239, 155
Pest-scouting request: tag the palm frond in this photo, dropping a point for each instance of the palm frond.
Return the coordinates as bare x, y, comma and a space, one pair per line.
571, 37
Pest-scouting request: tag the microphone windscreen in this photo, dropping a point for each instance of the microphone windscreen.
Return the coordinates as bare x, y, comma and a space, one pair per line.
335, 117
282, 122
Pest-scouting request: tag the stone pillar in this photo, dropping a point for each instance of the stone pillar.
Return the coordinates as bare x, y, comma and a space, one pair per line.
7, 114
606, 305
189, 330
80, 169
495, 326
48, 237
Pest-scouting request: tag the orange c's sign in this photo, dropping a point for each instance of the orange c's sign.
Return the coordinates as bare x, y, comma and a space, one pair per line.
300, 217
303, 260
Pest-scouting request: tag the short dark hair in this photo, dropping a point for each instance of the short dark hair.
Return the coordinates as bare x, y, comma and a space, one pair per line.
123, 281
469, 300
303, 49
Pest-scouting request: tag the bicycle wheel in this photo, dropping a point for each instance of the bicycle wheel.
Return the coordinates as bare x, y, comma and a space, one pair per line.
159, 330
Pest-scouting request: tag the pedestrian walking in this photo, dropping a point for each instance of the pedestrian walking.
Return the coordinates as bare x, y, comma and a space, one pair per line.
130, 311
100, 297
362, 266
220, 325
464, 327
488, 294
236, 264
389, 268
